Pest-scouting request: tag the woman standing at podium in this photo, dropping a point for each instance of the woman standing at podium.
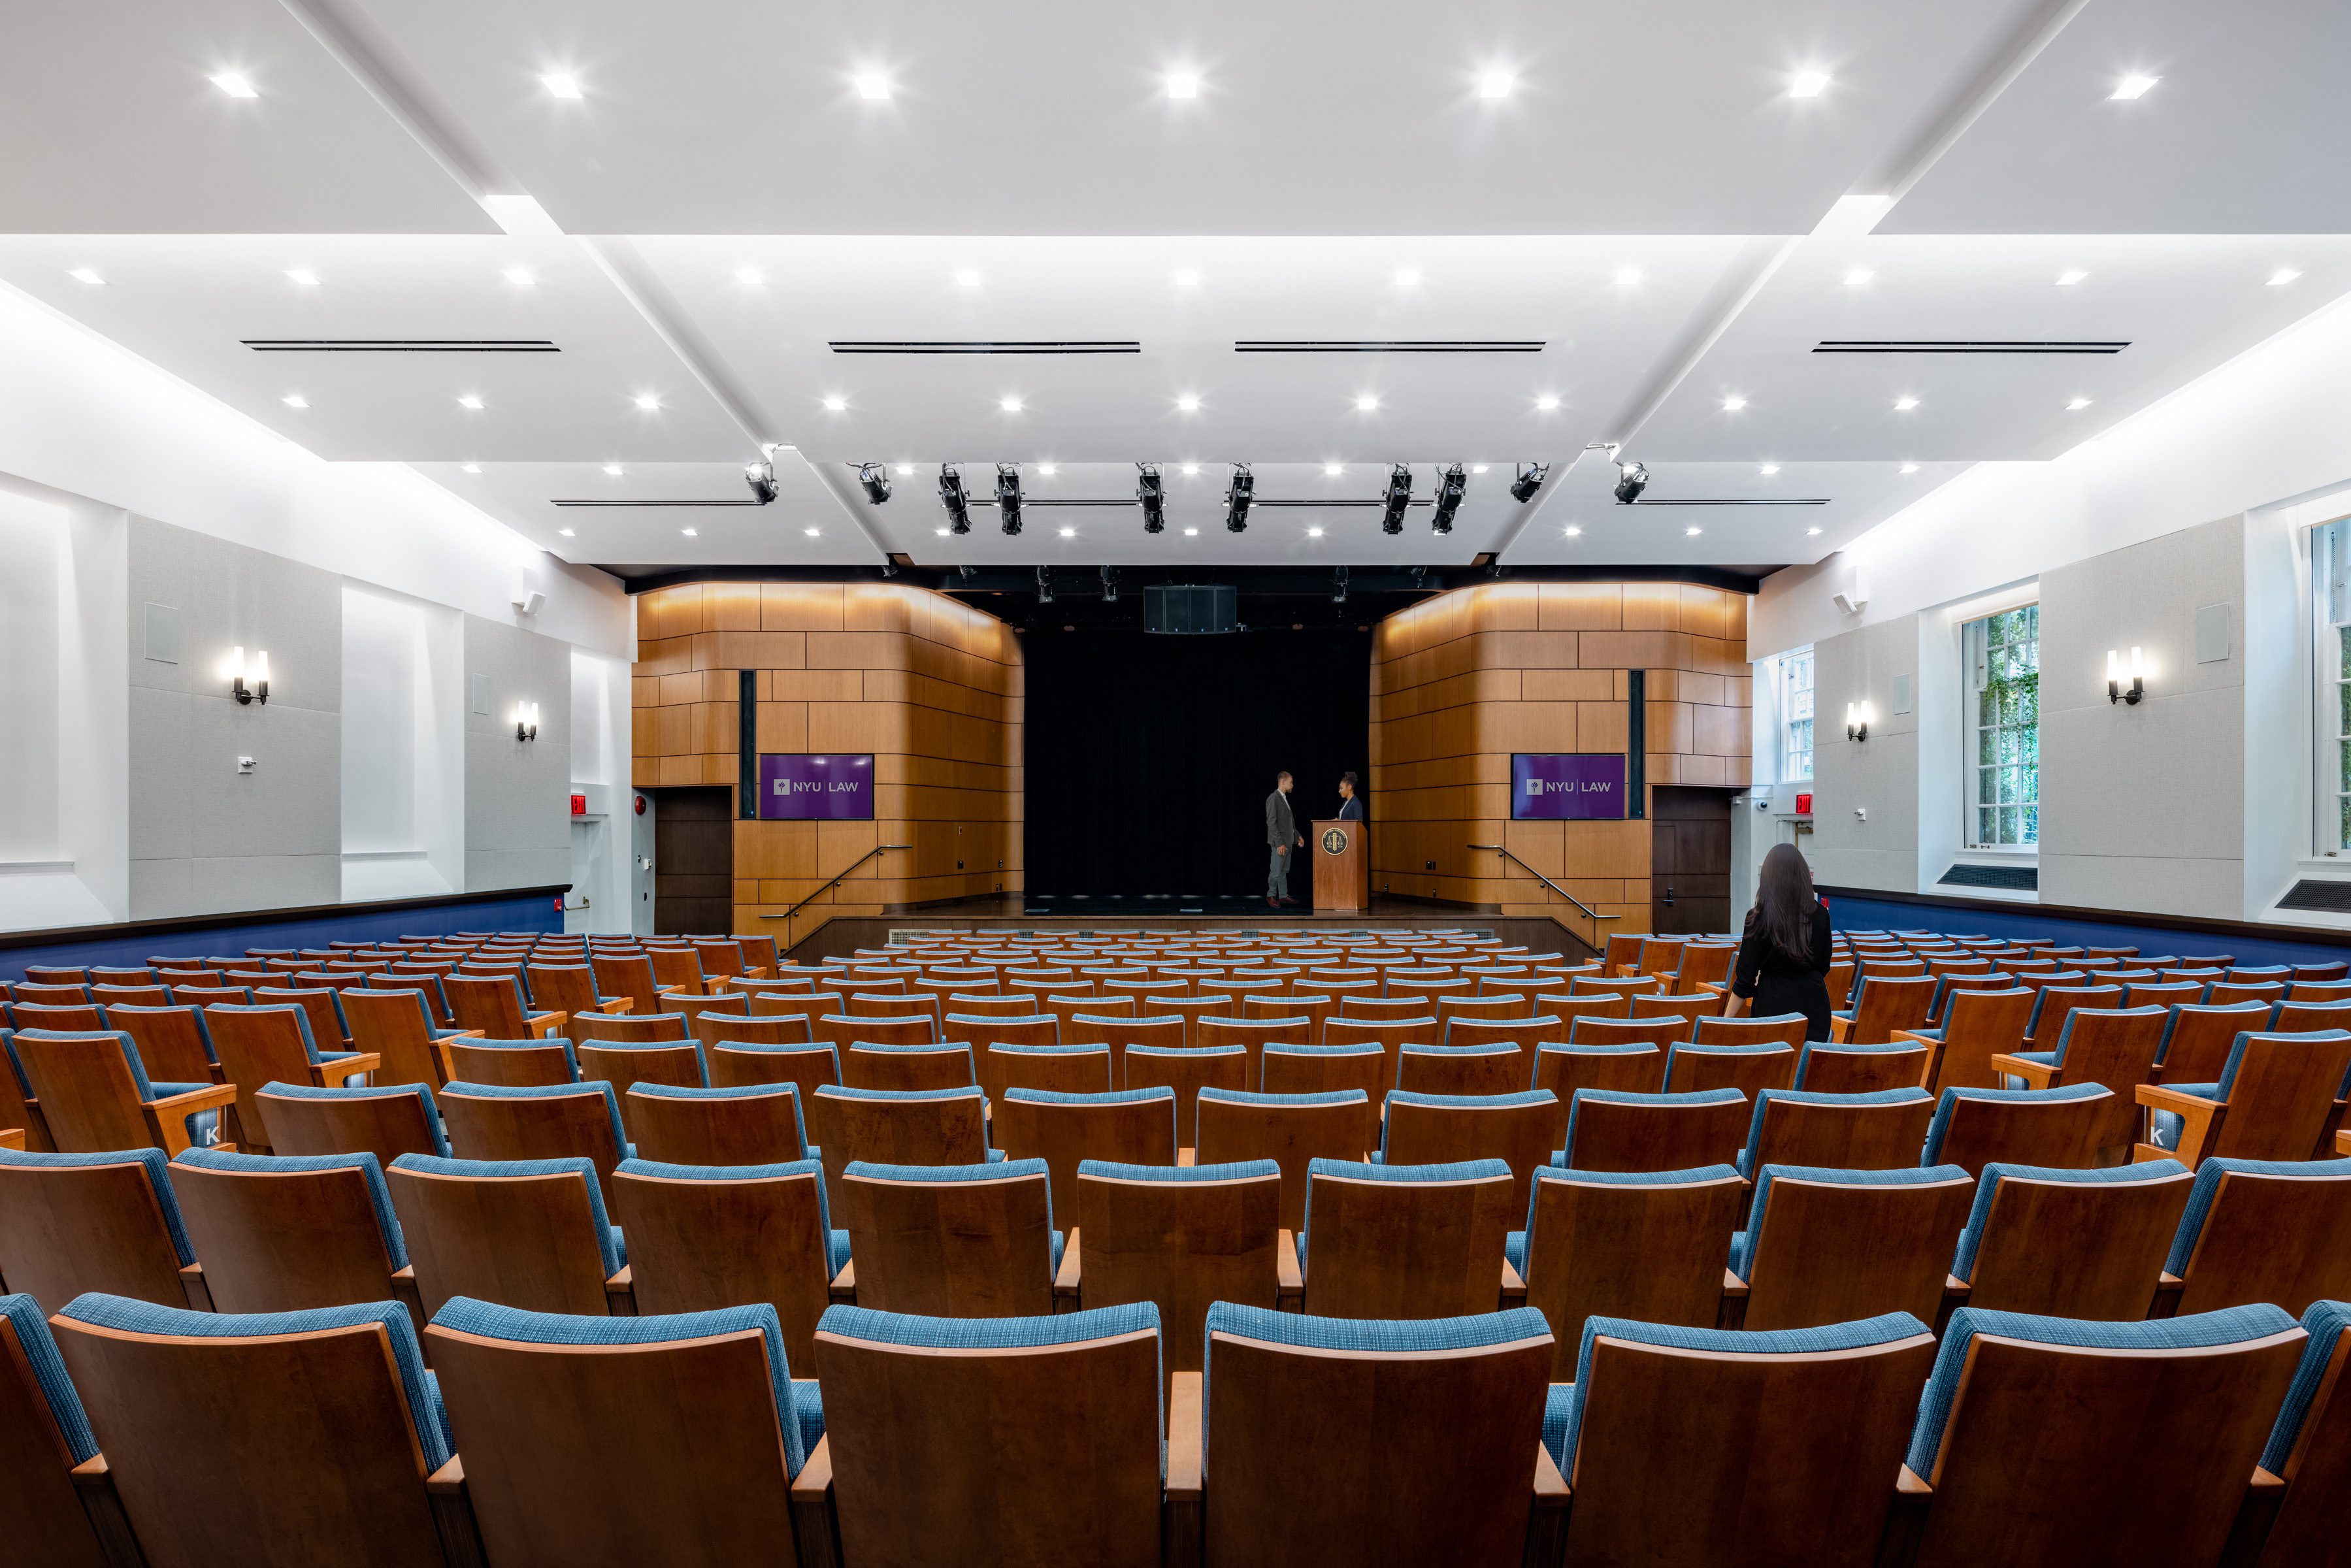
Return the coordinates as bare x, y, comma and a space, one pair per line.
1351, 810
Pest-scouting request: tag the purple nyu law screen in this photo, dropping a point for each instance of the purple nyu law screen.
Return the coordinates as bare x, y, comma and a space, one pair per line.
794, 786
1551, 786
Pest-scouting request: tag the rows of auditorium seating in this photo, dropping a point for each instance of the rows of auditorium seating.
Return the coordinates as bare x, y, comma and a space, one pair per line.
1029, 1209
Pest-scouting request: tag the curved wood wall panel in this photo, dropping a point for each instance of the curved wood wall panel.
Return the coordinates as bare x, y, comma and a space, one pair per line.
929, 685
1463, 680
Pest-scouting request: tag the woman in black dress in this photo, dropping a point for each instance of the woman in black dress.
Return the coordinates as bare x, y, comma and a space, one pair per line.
1783, 957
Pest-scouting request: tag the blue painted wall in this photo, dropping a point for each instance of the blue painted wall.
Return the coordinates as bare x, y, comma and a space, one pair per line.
1850, 913
231, 939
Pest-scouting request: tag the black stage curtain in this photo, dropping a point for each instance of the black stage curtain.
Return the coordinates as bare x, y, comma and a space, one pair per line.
1149, 757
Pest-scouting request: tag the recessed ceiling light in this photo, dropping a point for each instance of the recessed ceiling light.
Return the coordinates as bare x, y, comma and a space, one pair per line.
1191, 469
1573, 531
1009, 404
1408, 278
941, 532
687, 532
561, 84
614, 469
89, 275
2068, 278
1857, 276
748, 277
648, 401
469, 400
1191, 533
567, 533
2134, 87
1496, 84
1314, 533
1905, 404
1330, 468
1048, 469
1909, 469
1366, 403
2078, 403
1808, 84
967, 278
1810, 532
1733, 404
1547, 402
520, 276
303, 276
471, 467
1187, 403
235, 85
1769, 469
1478, 467
835, 405
905, 468
873, 84
1183, 84
1627, 276
2278, 279
295, 400
812, 533
1069, 533
1187, 279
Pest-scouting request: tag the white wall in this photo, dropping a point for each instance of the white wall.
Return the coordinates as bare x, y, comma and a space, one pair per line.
32, 547
402, 782
602, 838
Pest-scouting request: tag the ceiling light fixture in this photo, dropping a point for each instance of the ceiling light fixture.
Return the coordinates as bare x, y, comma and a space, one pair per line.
1191, 533
562, 84
904, 469
761, 477
1528, 481
1769, 469
1191, 469
1314, 533
1069, 533
1399, 497
2079, 402
470, 467
1733, 404
1909, 469
2071, 277
1187, 403
2132, 88
1478, 467
235, 85
835, 405
1187, 279
1151, 493
303, 276
1183, 84
520, 276
1810, 532
941, 532
873, 84
1238, 497
89, 275
1808, 84
1690, 533
1905, 404
2278, 279
1627, 276
647, 402
1366, 403
967, 278
689, 533
1331, 468
1858, 276
614, 469
874, 480
1407, 279
812, 533
1009, 404
1631, 478
1496, 84
1572, 531
1452, 485
1048, 469
469, 400
748, 277
1547, 403
1008, 496
568, 533
295, 400
951, 496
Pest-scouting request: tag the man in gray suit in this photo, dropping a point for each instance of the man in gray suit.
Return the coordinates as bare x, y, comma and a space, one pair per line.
1281, 835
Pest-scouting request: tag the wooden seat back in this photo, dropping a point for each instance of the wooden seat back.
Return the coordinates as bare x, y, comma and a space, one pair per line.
64, 1229
911, 1068
514, 1063
1629, 1069
2040, 1132
81, 1017
1135, 1127
1526, 1033
1649, 1131
1978, 1026
491, 1003
699, 1244
526, 1241
395, 1027
2313, 1458
1062, 1068
1660, 1032
806, 1065
2198, 1038
2116, 1046
2074, 1249
1749, 1068
84, 1096
284, 1241
2283, 1101
2058, 1002
1253, 1035
712, 1028
1388, 1249
1499, 1068
746, 1127
576, 1122
1067, 1006
1292, 1132
43, 1516
1181, 1245
975, 1249
2271, 1236
908, 1028
1187, 1070
622, 1028
1848, 1134
1522, 1135
629, 975
1826, 1068
318, 1004
386, 1123
1787, 1029
946, 1127
1705, 964
1502, 1004
677, 966
1640, 1248
1833, 1252
1316, 1069
1890, 997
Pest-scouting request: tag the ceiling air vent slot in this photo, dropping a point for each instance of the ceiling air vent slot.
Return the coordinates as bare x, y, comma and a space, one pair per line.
1393, 346
399, 345
1963, 345
1056, 345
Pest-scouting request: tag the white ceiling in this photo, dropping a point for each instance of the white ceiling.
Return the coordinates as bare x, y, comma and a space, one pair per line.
1962, 156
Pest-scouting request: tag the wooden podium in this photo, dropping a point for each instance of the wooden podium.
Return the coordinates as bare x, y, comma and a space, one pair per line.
1343, 866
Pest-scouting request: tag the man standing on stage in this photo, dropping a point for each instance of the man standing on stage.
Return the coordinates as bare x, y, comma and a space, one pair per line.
1281, 835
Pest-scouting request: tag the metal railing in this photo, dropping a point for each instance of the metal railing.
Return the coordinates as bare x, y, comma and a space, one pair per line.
836, 882
1547, 881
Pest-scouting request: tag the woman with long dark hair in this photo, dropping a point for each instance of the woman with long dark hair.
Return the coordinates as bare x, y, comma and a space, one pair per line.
1783, 958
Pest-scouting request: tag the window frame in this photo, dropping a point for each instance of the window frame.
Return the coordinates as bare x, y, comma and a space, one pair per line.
1975, 650
1785, 691
2328, 762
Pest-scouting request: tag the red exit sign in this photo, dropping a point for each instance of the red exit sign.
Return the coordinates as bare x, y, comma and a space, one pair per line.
579, 805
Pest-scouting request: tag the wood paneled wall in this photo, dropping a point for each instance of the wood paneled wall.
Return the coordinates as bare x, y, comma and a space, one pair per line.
1463, 680
929, 685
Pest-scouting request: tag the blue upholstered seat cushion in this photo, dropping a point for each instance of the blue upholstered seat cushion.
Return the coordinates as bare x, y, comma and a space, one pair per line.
423, 1093
1563, 1410
379, 1196
1317, 1097
2326, 1323
554, 1092
1963, 1262
837, 1241
2198, 1330
997, 1169
1396, 1097
1514, 1245
1299, 1048
609, 1242
2208, 1187
846, 1091
742, 1092
1088, 1097
1565, 1157
465, 1315
2046, 1057
1746, 1157
1948, 1107
1376, 1170
1005, 1333
159, 1177
1743, 1244
32, 1326
424, 1411
1236, 1170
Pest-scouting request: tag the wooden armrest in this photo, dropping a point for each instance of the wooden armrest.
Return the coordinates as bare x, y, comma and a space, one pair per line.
192, 1286
343, 1069
1290, 1283
2036, 1075
1840, 1029
1732, 1285
1906, 1523
542, 1025
1551, 1487
2166, 1302
1184, 1417
2200, 1121
12, 1137
620, 1294
94, 1483
194, 1099
1514, 1289
843, 1289
1185, 1156
1953, 1286
617, 1005
2156, 1097
449, 1479
403, 1289
1065, 1283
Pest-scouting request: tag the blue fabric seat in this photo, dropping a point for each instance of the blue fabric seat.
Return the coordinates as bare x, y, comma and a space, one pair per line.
1743, 1245
32, 1326
430, 1422
609, 1244
1514, 1245
1235, 1170
2326, 1323
836, 1241
1746, 1157
628, 1151
423, 1092
149, 1091
1376, 1170
159, 1177
379, 1196
799, 1408
1563, 1157
997, 1169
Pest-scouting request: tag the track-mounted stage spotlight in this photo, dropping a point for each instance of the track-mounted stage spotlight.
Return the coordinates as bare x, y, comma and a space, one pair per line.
875, 478
1450, 487
1008, 496
951, 496
761, 477
1399, 498
1153, 494
1044, 585
1529, 480
1110, 584
1236, 500
1633, 479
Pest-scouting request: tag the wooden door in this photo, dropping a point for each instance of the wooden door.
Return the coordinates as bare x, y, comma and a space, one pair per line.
1689, 860
694, 861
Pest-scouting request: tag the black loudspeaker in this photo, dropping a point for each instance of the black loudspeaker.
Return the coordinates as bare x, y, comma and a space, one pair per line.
1190, 611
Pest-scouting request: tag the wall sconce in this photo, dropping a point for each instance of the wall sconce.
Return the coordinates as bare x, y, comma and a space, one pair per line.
526, 721
238, 670
1856, 721
2114, 693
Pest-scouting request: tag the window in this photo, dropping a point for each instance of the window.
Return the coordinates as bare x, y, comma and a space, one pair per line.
2330, 576
1796, 715
2003, 653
